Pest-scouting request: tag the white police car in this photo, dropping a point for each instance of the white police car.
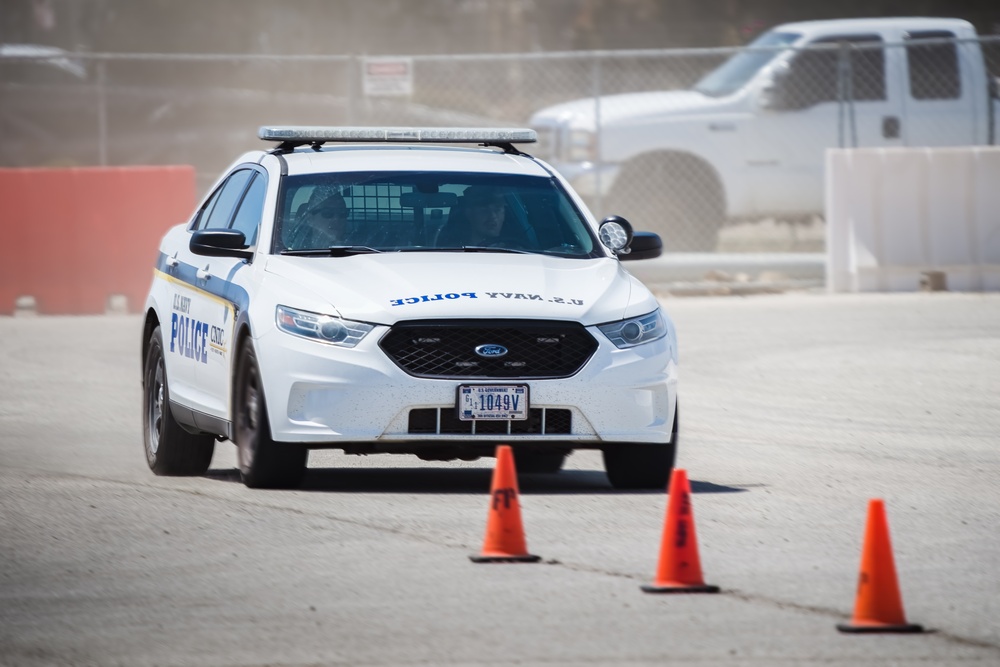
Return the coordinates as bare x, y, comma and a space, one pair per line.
378, 291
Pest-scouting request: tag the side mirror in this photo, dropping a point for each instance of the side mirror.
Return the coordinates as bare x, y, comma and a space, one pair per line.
617, 235
773, 94
220, 243
645, 245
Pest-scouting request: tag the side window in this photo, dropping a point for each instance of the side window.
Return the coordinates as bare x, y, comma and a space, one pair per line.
933, 64
251, 209
219, 211
815, 71
206, 210
868, 69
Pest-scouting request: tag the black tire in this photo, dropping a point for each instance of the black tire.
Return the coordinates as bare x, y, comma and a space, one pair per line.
640, 465
677, 197
264, 463
538, 462
170, 450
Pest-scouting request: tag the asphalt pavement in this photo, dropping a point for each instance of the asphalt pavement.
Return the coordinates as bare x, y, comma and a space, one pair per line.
796, 410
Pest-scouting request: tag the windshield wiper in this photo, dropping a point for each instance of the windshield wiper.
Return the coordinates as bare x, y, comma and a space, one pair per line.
481, 248
332, 251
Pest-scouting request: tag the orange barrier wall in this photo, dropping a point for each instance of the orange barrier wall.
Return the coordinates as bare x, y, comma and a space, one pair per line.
74, 237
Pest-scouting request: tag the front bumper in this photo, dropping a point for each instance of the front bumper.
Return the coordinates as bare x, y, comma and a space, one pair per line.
325, 396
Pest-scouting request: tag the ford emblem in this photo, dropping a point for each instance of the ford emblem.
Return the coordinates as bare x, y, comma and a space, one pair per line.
491, 350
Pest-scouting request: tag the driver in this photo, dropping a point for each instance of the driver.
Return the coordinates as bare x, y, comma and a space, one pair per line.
322, 224
485, 210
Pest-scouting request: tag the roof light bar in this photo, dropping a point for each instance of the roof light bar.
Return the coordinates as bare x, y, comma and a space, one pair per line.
304, 134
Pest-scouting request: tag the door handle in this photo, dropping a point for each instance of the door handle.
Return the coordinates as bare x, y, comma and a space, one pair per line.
203, 274
890, 127
171, 262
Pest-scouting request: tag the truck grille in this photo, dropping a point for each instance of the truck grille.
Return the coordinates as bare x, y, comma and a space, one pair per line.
535, 349
444, 421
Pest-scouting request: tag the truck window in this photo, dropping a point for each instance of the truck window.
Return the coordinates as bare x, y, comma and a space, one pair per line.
933, 64
733, 74
38, 65
814, 78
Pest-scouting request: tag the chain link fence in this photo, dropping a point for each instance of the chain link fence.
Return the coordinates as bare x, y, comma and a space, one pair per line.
677, 151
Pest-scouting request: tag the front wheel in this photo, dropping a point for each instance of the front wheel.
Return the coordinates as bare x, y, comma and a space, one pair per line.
641, 466
264, 463
170, 450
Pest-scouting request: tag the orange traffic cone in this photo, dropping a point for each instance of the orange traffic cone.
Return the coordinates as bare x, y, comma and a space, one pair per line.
504, 541
679, 570
879, 606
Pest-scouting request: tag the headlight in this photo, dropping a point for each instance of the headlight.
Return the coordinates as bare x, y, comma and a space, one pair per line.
324, 328
635, 331
582, 146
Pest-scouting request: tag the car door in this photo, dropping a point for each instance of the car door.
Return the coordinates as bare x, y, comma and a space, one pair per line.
940, 105
179, 294
203, 308
836, 93
225, 297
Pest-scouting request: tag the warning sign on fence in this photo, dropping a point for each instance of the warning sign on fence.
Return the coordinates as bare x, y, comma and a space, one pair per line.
388, 76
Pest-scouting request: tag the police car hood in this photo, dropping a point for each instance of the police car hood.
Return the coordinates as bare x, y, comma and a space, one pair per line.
388, 287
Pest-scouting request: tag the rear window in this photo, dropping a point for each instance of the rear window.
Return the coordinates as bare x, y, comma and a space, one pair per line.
932, 60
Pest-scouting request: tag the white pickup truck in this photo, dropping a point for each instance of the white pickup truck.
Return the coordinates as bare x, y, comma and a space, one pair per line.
748, 140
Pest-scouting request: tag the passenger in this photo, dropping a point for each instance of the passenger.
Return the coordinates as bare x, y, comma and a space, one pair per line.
485, 209
320, 225
476, 220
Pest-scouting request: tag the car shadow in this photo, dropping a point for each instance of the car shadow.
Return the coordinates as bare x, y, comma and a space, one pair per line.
463, 481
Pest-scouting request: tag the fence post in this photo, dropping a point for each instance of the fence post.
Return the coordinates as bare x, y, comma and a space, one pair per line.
596, 89
845, 95
102, 113
354, 65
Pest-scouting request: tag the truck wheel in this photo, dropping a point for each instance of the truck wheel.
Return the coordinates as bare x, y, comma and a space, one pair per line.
543, 463
677, 197
640, 465
170, 450
264, 463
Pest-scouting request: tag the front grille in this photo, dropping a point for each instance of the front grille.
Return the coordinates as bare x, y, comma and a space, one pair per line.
535, 349
444, 421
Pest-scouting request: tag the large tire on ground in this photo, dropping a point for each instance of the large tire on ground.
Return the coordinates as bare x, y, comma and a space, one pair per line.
538, 462
264, 463
676, 196
170, 450
641, 465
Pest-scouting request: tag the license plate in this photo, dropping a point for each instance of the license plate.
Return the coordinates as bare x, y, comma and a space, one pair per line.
492, 401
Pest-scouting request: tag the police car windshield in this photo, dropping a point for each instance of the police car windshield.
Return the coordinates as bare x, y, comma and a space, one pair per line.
429, 211
736, 72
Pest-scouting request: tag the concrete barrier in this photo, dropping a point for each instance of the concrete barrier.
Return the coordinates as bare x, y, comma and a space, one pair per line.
906, 219
700, 274
82, 240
